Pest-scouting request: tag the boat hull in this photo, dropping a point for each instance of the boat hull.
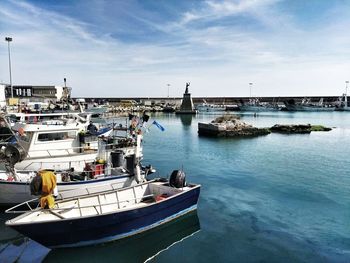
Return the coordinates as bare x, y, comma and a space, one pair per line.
257, 108
308, 108
210, 109
108, 227
12, 193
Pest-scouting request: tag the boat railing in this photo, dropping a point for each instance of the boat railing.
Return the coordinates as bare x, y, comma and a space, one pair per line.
79, 149
40, 163
97, 171
100, 205
58, 211
27, 204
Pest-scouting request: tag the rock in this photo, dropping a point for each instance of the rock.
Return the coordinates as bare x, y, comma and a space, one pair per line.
320, 128
230, 126
298, 128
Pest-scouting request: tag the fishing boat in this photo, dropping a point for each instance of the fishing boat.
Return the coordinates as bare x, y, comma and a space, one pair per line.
342, 103
108, 215
256, 106
42, 143
121, 166
207, 107
144, 247
307, 105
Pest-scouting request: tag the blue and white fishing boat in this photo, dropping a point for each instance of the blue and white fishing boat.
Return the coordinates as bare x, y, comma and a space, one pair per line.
108, 215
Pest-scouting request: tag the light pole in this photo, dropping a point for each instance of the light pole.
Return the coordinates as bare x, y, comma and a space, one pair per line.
250, 89
168, 89
346, 88
9, 39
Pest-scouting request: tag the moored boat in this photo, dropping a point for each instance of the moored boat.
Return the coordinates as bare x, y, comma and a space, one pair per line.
307, 105
121, 167
342, 103
108, 215
255, 105
207, 107
50, 143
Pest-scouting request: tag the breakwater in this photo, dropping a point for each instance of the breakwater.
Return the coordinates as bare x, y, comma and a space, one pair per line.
213, 100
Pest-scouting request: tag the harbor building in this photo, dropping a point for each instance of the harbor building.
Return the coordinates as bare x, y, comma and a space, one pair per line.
30, 93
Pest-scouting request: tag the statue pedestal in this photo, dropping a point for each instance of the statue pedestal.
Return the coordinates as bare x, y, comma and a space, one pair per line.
187, 105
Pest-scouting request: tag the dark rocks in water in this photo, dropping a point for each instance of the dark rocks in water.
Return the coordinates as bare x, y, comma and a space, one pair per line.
294, 128
298, 128
320, 128
230, 126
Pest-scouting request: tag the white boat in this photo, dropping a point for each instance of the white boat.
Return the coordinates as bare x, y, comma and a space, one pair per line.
18, 191
108, 215
307, 105
256, 106
206, 107
52, 144
122, 169
342, 103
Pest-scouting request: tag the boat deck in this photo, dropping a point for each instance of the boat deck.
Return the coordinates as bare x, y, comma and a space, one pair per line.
133, 197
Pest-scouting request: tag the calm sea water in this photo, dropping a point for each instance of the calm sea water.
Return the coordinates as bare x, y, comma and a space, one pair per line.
275, 198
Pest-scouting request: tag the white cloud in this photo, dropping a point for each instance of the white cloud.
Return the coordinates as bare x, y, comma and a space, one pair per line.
218, 58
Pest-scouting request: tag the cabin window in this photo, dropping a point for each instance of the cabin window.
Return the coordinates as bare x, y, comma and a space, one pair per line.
56, 136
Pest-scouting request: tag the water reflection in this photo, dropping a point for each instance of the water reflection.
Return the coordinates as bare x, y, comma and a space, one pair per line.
186, 119
139, 248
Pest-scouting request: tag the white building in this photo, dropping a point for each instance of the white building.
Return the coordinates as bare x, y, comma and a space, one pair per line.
36, 93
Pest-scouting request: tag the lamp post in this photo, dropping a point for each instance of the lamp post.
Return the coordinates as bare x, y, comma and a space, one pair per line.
346, 88
168, 89
9, 39
250, 89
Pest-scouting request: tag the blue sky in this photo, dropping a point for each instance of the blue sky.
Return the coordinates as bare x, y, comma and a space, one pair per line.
130, 48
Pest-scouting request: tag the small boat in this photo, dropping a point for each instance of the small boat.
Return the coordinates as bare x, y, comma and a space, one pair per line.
153, 243
207, 107
256, 106
307, 105
169, 108
107, 215
342, 104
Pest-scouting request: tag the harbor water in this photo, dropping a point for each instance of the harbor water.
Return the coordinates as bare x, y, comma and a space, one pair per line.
273, 198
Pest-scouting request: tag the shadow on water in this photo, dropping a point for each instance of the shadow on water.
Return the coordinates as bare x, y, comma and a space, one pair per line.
143, 247
16, 248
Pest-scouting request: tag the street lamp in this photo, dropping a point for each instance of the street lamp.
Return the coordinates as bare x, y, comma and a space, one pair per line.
168, 89
9, 39
250, 89
346, 89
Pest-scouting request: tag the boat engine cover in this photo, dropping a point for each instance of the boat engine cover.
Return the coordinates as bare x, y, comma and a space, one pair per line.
177, 179
14, 153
